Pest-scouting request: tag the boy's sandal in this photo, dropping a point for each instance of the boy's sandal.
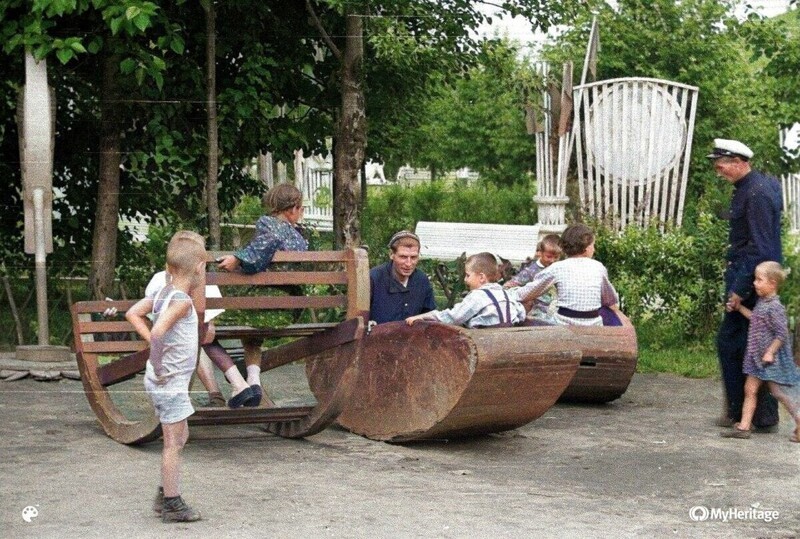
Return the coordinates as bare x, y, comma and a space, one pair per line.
795, 437
736, 433
216, 400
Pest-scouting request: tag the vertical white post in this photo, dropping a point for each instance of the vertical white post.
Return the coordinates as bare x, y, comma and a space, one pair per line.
41, 268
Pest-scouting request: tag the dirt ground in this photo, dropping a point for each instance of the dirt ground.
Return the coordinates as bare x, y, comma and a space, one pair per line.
633, 468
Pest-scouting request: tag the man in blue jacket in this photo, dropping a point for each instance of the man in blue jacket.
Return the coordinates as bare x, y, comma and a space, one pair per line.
754, 237
397, 288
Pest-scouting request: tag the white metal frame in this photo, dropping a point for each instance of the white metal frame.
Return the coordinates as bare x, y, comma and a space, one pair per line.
627, 172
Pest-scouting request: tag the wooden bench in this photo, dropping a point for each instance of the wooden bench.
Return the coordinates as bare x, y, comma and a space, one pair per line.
448, 241
336, 281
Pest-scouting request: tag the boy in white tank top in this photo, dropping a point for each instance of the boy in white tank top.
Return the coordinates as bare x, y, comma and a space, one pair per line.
174, 345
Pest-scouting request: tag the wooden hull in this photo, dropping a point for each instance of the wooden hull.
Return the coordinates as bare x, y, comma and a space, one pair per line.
433, 381
608, 362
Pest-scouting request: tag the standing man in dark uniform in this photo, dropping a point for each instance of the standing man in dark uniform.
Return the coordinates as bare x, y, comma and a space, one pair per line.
754, 237
398, 289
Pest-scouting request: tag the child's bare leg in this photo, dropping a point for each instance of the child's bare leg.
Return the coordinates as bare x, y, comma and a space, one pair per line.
205, 371
175, 436
252, 358
789, 396
751, 386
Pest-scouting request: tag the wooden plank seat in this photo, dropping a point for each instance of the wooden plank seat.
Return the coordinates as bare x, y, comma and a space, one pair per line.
294, 330
110, 354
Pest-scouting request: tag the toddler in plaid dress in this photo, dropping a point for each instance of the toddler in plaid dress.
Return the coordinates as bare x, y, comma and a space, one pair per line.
768, 356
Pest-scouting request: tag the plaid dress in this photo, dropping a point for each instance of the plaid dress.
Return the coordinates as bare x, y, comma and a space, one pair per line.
767, 323
581, 285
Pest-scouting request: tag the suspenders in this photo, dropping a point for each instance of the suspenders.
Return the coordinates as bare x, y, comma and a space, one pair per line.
503, 322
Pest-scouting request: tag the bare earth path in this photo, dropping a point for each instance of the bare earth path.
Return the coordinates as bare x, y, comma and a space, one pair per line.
634, 468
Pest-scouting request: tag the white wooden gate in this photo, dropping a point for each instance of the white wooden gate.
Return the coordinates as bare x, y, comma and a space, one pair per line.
634, 139
790, 184
317, 189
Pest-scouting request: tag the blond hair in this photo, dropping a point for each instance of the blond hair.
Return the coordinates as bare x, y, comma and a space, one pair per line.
189, 235
186, 249
484, 263
772, 271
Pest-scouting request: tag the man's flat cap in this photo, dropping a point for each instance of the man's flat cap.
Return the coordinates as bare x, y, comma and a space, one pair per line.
729, 148
402, 235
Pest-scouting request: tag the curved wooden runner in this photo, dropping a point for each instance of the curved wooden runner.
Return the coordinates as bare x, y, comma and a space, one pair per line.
117, 397
125, 413
433, 380
608, 362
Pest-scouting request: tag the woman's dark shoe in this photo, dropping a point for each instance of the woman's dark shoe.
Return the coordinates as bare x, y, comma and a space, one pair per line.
245, 398
257, 393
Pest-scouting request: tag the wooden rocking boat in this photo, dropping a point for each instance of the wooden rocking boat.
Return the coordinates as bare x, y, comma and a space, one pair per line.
433, 381
608, 362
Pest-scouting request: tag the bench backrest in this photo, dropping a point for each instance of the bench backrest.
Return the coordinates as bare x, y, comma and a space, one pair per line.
101, 340
447, 241
348, 269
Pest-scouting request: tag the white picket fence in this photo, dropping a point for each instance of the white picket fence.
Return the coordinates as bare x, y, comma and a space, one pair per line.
790, 184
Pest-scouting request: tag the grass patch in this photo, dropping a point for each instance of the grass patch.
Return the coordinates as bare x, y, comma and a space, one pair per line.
693, 361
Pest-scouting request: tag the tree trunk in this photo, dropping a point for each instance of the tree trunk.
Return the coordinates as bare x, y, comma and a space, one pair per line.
351, 139
104, 240
213, 142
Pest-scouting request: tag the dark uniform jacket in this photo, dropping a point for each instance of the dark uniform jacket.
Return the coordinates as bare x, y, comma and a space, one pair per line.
755, 230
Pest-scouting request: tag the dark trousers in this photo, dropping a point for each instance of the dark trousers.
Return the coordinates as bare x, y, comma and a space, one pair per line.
731, 344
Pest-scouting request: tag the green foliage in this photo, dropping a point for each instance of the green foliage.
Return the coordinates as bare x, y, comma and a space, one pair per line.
695, 360
392, 208
669, 284
477, 121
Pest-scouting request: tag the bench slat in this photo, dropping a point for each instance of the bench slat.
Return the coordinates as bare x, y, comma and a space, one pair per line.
84, 307
277, 302
106, 326
215, 416
99, 347
123, 368
343, 333
273, 278
295, 330
294, 256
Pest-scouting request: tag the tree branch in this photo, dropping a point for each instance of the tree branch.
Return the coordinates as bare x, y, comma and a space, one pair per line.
325, 37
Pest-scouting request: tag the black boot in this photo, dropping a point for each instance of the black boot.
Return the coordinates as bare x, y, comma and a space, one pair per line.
176, 510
